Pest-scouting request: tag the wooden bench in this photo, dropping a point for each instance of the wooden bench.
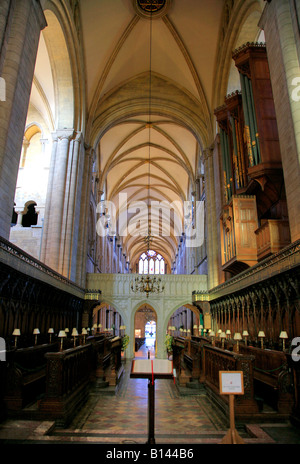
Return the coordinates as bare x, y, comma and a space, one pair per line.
67, 384
26, 375
193, 357
273, 382
187, 358
215, 360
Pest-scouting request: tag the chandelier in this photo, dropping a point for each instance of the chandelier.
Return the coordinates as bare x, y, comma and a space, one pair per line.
145, 283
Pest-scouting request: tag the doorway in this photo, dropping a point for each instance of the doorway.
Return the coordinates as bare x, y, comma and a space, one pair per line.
145, 331
150, 334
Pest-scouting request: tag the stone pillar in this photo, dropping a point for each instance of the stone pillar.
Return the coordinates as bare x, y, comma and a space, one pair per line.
71, 213
84, 214
282, 42
19, 212
53, 233
63, 206
25, 147
21, 23
212, 225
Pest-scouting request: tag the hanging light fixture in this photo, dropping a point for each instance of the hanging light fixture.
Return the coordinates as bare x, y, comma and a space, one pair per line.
147, 284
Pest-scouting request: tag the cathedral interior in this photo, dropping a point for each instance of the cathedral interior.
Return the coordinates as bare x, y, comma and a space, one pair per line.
150, 205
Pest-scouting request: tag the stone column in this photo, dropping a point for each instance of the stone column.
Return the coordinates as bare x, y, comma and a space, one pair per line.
25, 147
71, 210
21, 23
19, 212
212, 225
54, 213
84, 214
282, 44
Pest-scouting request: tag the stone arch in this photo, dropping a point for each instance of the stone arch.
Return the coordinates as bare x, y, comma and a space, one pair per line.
62, 73
141, 307
134, 310
192, 307
128, 100
247, 33
30, 216
114, 304
32, 129
61, 38
236, 30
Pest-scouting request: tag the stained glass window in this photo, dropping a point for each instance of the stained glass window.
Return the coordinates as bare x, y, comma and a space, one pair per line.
152, 263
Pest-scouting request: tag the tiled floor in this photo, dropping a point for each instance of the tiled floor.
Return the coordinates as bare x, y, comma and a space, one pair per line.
123, 418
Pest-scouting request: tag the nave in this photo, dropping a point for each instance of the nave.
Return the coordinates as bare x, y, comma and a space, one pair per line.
122, 418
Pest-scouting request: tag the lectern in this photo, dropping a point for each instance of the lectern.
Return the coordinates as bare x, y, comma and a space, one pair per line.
151, 369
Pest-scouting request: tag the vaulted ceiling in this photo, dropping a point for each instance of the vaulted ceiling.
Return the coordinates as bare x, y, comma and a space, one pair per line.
158, 70
150, 91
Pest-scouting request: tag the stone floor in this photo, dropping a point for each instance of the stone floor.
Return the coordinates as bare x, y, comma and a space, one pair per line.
122, 418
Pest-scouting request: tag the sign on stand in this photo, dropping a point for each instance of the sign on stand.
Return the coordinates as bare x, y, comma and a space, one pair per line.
231, 383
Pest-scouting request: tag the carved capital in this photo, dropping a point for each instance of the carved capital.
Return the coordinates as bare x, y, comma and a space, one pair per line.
65, 134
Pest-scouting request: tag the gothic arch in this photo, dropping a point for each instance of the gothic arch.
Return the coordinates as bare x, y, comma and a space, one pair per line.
62, 42
192, 307
238, 25
128, 101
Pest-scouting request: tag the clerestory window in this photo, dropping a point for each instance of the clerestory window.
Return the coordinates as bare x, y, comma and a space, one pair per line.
151, 262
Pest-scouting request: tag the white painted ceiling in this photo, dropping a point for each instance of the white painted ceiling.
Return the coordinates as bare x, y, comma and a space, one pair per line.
120, 49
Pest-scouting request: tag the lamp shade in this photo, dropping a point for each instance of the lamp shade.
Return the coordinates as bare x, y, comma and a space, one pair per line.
261, 334
223, 335
16, 332
67, 330
74, 332
212, 333
84, 332
283, 334
237, 336
245, 333
228, 332
99, 326
36, 331
62, 334
195, 326
50, 331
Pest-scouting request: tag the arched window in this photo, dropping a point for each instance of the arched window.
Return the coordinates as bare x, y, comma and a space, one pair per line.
151, 263
30, 217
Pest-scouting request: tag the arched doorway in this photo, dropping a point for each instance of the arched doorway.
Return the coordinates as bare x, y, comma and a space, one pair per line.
186, 321
150, 334
145, 323
106, 319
